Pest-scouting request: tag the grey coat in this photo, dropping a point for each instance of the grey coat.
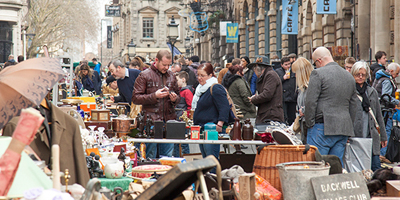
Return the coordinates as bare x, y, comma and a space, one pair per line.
331, 96
376, 109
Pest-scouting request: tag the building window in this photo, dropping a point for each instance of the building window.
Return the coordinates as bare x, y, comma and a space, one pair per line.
6, 38
148, 28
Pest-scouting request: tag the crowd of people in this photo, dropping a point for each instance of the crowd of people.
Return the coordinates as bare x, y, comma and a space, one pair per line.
331, 103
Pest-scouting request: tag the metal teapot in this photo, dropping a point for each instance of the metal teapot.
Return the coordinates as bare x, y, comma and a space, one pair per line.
121, 110
112, 194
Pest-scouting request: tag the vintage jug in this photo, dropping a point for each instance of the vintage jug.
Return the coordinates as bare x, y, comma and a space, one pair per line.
236, 132
247, 132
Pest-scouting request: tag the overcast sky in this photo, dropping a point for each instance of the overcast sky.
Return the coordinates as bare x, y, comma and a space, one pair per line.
101, 8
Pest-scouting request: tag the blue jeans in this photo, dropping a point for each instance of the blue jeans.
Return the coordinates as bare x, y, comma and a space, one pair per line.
388, 127
210, 149
327, 144
185, 149
163, 149
375, 163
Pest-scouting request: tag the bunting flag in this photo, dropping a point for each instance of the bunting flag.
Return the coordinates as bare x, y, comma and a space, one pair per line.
176, 50
326, 7
290, 17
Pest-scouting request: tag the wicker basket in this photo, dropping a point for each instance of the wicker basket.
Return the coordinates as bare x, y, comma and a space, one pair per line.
267, 159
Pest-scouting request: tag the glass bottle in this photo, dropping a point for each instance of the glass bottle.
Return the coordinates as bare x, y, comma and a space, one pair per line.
80, 111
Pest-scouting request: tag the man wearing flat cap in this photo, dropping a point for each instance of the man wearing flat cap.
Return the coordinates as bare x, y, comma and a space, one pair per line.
269, 97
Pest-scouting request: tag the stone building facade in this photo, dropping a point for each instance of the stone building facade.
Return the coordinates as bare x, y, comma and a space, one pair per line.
364, 26
11, 14
145, 22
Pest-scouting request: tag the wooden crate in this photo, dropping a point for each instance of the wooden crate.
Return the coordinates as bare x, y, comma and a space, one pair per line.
393, 188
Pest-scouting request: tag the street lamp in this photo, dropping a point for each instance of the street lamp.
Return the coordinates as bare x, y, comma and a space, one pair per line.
173, 34
187, 46
131, 50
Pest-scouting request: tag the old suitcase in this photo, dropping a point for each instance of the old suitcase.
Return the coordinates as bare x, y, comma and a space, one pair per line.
176, 129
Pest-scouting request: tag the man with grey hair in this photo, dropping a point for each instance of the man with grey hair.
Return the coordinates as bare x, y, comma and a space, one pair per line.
330, 105
385, 84
125, 78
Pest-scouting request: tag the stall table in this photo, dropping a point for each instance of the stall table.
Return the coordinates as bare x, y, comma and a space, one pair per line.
187, 141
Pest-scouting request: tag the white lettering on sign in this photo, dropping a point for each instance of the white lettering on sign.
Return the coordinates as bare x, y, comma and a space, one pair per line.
326, 5
346, 185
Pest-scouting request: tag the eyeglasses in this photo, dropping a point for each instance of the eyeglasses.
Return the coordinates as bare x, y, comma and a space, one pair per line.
202, 76
360, 75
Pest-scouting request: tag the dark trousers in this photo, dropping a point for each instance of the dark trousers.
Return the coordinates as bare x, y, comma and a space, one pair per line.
289, 110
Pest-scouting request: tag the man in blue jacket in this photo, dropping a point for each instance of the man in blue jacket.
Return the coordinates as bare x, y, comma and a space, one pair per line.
385, 84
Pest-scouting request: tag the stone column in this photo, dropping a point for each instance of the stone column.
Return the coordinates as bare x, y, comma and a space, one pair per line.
382, 26
251, 25
316, 30
363, 31
272, 28
372, 28
261, 29
397, 31
328, 24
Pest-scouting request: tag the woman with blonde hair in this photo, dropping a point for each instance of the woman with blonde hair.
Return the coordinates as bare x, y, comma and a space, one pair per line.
302, 68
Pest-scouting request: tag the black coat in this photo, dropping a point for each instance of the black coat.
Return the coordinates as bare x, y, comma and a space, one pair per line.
288, 85
374, 68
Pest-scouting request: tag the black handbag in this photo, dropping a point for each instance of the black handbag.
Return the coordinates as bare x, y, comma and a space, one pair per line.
393, 149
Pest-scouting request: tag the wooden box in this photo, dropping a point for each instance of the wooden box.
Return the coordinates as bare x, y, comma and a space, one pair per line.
247, 186
100, 115
393, 188
106, 125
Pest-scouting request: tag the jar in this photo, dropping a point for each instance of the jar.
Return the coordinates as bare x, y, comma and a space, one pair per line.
236, 132
247, 132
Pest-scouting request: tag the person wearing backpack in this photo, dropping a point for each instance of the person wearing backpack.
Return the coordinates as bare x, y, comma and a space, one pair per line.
385, 85
209, 107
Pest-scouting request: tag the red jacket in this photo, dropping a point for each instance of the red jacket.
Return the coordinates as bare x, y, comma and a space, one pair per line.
144, 93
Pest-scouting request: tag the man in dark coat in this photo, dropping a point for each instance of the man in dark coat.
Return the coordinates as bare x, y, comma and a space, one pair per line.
288, 79
269, 97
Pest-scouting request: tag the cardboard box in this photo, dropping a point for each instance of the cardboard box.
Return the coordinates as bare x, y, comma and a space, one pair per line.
393, 188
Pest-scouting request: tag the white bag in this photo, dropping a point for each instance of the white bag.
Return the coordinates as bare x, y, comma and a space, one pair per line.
358, 154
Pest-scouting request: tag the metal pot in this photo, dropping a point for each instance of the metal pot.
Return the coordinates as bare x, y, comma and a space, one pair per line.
121, 124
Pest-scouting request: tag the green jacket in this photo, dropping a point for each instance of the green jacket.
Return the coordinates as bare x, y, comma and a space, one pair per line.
239, 90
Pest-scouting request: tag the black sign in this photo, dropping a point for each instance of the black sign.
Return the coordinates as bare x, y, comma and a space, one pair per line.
350, 186
109, 37
113, 11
